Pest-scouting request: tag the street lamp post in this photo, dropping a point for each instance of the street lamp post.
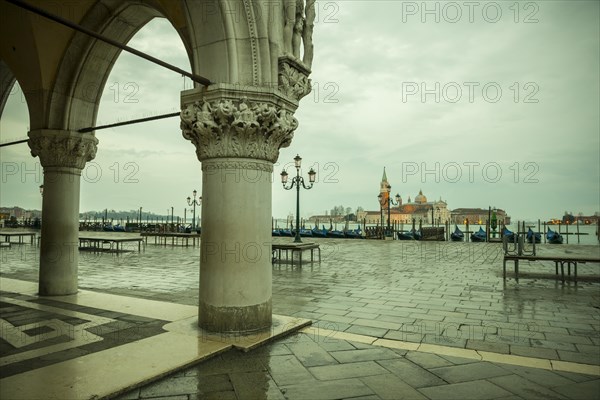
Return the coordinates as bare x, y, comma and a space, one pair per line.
194, 202
297, 181
390, 203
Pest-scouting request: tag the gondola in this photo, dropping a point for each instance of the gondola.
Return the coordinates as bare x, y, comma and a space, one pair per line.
531, 235
306, 233
319, 232
108, 228
479, 236
285, 232
353, 234
336, 234
510, 236
457, 235
118, 228
275, 232
406, 235
554, 237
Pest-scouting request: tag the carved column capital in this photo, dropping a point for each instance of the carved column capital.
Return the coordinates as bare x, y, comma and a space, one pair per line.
228, 122
293, 78
57, 148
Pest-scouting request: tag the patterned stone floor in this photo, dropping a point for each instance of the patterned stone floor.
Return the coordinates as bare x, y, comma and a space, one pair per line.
37, 332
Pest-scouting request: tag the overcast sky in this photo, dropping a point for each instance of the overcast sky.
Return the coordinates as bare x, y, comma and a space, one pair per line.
488, 104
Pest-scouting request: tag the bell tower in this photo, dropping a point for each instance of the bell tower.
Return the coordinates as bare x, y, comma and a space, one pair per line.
384, 188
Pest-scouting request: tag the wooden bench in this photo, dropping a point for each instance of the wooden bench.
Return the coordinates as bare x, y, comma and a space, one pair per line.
562, 260
299, 247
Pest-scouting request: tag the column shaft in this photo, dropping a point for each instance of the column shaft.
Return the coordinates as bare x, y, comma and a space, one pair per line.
59, 254
63, 155
235, 257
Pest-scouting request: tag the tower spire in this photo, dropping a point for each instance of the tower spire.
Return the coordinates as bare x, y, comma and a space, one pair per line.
384, 177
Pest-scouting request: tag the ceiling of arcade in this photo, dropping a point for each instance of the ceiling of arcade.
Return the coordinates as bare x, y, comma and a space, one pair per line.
33, 46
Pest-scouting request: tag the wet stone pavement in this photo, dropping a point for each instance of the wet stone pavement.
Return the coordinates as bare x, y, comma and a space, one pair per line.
311, 367
444, 294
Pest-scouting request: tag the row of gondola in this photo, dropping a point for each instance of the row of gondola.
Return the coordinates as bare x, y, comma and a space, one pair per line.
552, 237
323, 233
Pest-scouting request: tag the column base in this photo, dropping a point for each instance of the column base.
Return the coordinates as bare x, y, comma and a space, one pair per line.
235, 319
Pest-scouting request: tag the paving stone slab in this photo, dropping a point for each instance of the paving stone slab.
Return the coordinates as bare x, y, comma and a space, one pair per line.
349, 370
411, 373
525, 388
468, 372
390, 387
474, 390
328, 390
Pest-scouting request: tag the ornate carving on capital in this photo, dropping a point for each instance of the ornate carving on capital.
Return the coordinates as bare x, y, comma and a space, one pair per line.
57, 148
217, 165
225, 128
293, 78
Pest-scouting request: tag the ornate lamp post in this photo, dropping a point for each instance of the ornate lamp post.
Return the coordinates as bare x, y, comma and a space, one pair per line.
297, 181
494, 222
390, 202
195, 203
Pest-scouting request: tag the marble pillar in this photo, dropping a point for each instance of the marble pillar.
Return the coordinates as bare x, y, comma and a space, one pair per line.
237, 133
63, 155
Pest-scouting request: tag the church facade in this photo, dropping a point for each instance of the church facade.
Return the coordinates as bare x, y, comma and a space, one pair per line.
420, 209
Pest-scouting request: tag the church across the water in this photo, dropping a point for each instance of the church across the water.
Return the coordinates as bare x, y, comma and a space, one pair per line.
418, 209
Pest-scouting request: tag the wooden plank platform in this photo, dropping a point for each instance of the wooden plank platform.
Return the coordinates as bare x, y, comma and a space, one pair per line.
8, 235
295, 247
97, 243
162, 238
562, 260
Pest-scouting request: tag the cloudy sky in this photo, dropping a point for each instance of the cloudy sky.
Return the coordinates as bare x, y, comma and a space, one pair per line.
487, 104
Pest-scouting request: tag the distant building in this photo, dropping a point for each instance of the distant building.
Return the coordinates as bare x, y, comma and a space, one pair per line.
420, 209
460, 216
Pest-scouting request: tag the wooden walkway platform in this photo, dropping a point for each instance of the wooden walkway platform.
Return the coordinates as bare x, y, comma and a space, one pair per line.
163, 238
97, 243
295, 247
20, 235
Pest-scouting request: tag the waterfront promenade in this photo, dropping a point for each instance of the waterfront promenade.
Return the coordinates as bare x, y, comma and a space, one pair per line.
390, 319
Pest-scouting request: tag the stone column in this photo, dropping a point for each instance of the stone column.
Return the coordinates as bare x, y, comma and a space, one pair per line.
237, 133
63, 155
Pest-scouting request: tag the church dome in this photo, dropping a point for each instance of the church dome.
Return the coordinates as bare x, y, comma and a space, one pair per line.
420, 198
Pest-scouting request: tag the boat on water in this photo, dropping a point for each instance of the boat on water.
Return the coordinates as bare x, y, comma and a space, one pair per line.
510, 235
554, 237
306, 233
275, 232
108, 228
531, 235
316, 232
457, 235
353, 234
336, 234
285, 232
118, 228
479, 236
406, 235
